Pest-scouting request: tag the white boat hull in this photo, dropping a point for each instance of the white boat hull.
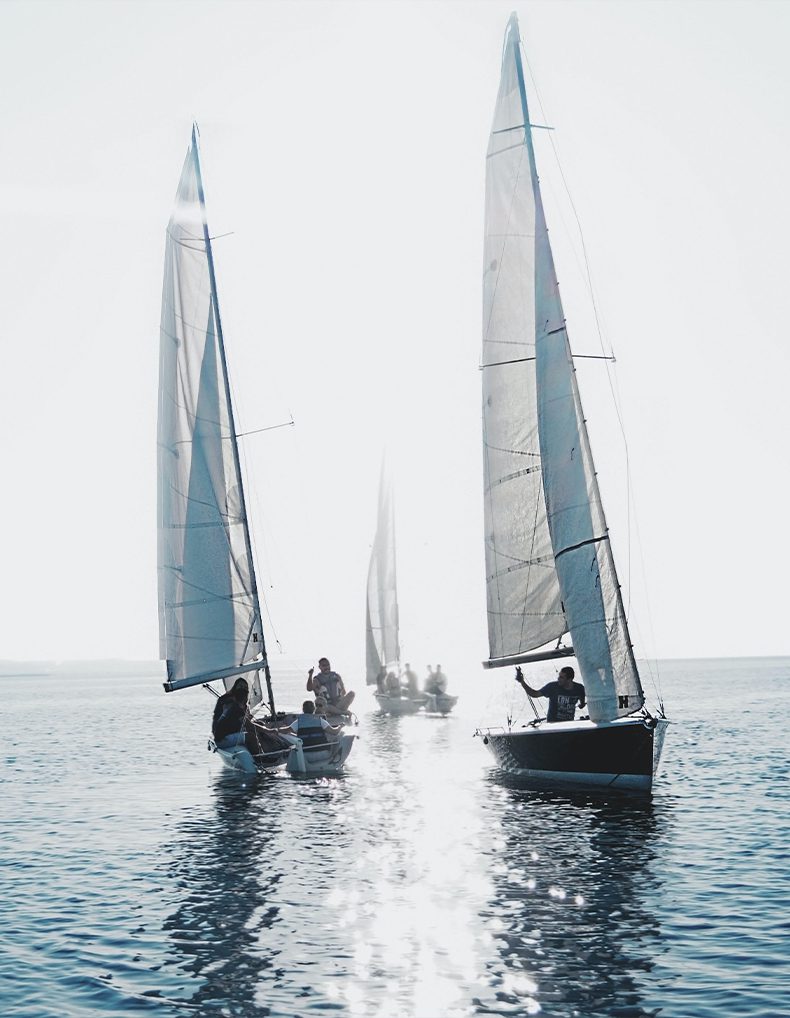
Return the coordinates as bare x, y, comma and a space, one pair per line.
239, 758
398, 704
319, 760
444, 703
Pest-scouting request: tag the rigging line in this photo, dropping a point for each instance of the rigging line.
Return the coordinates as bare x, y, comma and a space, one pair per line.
574, 356
271, 427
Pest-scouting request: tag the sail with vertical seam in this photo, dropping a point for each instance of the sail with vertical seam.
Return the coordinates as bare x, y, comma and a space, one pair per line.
381, 622
209, 615
532, 410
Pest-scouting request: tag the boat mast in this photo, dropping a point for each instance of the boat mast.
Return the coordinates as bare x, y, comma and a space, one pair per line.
233, 442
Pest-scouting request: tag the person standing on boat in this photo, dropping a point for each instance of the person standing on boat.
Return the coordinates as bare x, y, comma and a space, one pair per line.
329, 686
435, 685
563, 694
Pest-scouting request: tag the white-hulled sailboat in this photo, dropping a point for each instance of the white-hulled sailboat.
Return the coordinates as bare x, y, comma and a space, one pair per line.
209, 611
382, 643
549, 565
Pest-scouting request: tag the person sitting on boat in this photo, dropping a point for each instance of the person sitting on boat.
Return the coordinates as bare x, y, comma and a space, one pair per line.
232, 724
328, 685
230, 716
411, 687
392, 684
563, 694
381, 682
311, 728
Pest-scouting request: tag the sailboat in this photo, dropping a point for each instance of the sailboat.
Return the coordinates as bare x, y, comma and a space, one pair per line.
382, 643
210, 622
550, 571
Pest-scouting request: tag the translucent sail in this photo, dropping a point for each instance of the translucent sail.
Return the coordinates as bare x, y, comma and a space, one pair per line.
382, 649
570, 510
209, 616
523, 594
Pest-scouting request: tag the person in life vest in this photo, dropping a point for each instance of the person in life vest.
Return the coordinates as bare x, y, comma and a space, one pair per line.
563, 694
313, 730
329, 687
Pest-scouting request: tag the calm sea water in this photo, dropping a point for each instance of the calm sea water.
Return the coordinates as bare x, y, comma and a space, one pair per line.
139, 877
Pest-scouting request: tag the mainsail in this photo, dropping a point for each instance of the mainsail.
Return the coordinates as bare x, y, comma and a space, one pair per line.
209, 614
549, 564
381, 642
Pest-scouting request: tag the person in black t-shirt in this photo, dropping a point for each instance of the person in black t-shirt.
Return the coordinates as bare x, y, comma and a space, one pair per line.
563, 694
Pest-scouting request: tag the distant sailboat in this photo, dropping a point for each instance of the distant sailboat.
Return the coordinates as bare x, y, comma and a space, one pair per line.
549, 564
381, 621
209, 611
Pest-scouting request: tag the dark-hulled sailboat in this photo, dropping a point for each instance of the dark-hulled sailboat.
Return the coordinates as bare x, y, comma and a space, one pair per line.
550, 572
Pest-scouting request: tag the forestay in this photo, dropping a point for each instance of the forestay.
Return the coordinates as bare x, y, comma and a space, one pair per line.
209, 616
382, 647
549, 564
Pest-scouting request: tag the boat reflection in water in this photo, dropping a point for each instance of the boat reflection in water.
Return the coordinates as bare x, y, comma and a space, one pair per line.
223, 933
571, 915
413, 886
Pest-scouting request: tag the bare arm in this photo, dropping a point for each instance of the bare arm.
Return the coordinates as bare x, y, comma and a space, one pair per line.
310, 681
527, 689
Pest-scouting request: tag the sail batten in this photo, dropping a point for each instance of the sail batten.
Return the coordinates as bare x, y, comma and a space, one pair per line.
553, 514
209, 613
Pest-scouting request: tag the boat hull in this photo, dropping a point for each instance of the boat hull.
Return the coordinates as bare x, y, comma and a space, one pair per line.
319, 760
617, 754
398, 704
239, 758
444, 703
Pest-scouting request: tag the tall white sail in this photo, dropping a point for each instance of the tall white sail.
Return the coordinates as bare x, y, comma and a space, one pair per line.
382, 649
557, 515
209, 615
524, 603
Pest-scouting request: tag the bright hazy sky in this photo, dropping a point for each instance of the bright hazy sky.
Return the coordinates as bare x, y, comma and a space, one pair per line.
343, 150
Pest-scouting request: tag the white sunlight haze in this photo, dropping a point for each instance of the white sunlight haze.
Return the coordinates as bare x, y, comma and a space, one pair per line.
343, 149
